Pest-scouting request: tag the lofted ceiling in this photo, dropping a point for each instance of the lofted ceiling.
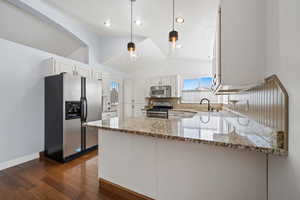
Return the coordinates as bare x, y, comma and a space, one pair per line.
196, 35
22, 27
148, 53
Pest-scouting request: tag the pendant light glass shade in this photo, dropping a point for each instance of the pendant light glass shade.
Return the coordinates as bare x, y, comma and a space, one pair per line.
173, 38
131, 47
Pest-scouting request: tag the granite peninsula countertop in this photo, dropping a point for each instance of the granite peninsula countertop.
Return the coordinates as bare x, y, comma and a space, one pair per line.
213, 128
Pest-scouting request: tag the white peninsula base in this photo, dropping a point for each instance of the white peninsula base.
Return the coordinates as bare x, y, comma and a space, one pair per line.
171, 170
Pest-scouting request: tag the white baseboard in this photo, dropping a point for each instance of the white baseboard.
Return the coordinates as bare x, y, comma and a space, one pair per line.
18, 161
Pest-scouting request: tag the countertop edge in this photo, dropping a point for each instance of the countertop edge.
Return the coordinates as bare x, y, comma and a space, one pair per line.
276, 152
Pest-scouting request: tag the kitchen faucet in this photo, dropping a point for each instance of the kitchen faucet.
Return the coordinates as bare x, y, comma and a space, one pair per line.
208, 103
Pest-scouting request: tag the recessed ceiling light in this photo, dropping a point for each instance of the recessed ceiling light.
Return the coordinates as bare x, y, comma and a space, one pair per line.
180, 20
138, 22
107, 23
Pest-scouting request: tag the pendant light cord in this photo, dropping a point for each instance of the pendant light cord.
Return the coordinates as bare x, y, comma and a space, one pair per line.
131, 27
173, 15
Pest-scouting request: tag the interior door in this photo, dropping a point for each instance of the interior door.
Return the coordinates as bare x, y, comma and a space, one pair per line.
71, 128
94, 110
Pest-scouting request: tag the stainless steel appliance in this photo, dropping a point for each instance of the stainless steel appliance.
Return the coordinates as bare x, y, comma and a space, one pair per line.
159, 110
71, 101
161, 91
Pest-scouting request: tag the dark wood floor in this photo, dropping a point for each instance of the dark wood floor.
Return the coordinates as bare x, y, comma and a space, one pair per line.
47, 180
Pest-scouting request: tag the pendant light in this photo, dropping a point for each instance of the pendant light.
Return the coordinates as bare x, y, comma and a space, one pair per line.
131, 45
173, 35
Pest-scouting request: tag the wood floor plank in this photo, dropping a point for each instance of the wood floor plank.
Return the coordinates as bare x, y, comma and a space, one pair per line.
43, 179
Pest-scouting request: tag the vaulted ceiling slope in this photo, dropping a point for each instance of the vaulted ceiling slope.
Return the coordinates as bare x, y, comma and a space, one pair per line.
148, 53
196, 35
22, 27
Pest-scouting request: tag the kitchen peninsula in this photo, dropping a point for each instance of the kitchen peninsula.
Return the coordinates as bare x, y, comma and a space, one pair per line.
184, 158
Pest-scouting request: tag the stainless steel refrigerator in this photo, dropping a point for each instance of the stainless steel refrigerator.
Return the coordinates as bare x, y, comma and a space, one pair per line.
71, 101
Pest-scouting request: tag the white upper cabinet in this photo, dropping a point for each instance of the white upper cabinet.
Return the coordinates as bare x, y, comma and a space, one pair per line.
97, 74
64, 67
239, 53
83, 71
56, 66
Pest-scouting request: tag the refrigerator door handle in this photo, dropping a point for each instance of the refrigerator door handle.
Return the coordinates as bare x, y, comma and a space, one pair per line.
82, 109
86, 109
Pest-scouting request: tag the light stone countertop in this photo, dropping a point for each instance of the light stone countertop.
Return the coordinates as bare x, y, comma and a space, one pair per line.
212, 128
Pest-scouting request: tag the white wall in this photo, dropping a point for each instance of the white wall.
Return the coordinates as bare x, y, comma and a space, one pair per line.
283, 47
182, 67
81, 54
114, 46
22, 100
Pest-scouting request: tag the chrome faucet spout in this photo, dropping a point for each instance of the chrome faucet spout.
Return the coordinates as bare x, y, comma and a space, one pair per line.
208, 103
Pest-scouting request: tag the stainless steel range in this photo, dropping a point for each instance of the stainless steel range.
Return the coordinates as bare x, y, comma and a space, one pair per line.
159, 110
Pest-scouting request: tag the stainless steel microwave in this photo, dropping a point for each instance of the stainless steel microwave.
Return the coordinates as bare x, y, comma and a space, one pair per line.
160, 91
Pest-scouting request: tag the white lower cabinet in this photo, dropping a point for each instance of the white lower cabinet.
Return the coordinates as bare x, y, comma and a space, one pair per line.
203, 170
107, 115
134, 110
138, 112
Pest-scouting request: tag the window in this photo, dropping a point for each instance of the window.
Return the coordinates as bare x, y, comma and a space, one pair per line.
114, 93
194, 89
197, 84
